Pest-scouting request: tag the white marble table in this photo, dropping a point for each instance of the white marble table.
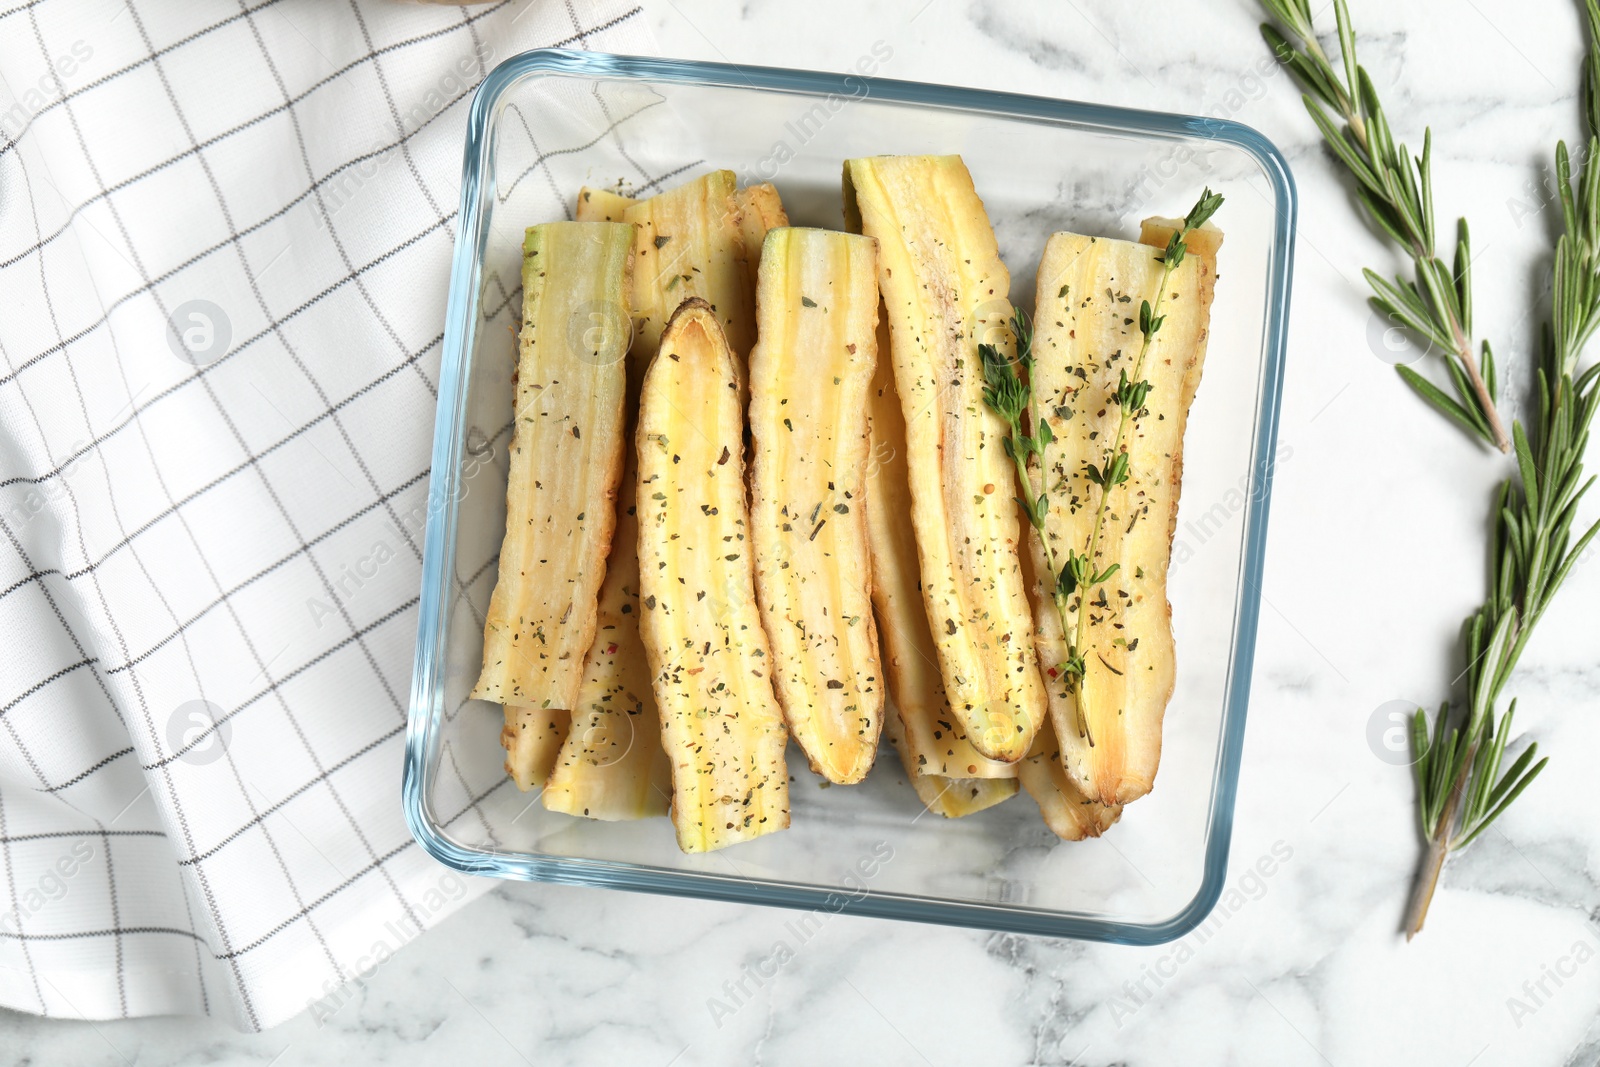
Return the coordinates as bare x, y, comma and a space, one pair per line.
1376, 542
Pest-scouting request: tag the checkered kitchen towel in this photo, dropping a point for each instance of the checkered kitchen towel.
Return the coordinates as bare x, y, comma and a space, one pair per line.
225, 234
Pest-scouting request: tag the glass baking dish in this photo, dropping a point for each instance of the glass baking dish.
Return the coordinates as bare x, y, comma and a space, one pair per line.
546, 122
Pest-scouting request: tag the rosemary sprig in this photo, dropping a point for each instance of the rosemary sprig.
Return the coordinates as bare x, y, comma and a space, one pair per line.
1460, 784
1009, 394
1397, 189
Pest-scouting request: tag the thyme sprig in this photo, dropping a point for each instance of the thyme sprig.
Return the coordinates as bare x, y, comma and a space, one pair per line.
1009, 394
1461, 788
1397, 189
1130, 397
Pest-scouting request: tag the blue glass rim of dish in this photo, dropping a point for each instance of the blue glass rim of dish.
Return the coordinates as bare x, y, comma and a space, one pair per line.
427, 691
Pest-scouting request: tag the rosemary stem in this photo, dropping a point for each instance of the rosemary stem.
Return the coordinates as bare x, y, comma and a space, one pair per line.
1427, 881
1490, 410
1352, 117
1438, 850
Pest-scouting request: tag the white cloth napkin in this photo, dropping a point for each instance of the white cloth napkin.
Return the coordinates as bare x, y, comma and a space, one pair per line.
225, 234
